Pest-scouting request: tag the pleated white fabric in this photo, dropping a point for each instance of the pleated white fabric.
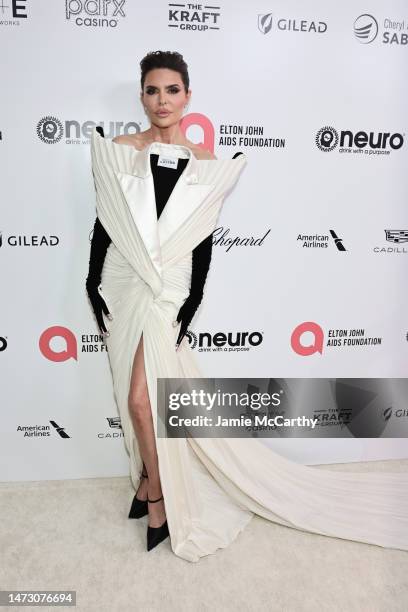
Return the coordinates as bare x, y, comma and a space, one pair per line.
211, 486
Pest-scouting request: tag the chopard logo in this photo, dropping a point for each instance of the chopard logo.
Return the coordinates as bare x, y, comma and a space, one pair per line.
221, 238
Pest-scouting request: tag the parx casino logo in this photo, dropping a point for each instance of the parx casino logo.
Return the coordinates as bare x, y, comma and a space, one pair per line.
95, 13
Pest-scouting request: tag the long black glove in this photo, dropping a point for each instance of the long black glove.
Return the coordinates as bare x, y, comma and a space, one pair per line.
99, 245
201, 263
200, 266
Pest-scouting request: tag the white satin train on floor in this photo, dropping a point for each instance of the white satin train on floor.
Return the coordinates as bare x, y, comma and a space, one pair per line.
212, 487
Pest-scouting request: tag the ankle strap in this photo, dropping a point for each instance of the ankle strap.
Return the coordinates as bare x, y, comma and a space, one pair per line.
153, 501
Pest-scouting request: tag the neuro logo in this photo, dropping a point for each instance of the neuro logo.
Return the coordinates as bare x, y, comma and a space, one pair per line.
370, 143
69, 352
265, 22
225, 341
3, 343
327, 138
365, 29
192, 339
50, 129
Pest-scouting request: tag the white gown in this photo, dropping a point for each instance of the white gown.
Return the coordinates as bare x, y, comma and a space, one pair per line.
211, 486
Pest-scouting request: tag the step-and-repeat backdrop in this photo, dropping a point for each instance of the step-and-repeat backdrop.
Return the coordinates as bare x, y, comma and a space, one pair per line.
309, 270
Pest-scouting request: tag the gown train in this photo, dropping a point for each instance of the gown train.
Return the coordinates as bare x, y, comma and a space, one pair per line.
212, 487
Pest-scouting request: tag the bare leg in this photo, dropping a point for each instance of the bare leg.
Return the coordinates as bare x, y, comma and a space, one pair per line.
141, 415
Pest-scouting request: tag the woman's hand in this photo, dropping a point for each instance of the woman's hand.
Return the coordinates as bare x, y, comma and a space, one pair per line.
99, 307
186, 314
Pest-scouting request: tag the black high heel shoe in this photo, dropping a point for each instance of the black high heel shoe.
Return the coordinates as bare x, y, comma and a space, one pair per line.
139, 506
155, 535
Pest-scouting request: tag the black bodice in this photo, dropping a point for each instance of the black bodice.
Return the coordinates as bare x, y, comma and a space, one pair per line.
165, 180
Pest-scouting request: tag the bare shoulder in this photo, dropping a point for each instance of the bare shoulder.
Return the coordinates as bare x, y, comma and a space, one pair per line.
201, 153
133, 140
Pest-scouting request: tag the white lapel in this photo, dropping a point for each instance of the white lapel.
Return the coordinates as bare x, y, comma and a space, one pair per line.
137, 185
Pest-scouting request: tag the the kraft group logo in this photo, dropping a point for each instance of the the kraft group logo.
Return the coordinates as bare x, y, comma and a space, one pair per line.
365, 29
50, 129
193, 17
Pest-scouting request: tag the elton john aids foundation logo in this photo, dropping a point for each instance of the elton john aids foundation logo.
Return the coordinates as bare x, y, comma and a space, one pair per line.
69, 349
296, 340
337, 338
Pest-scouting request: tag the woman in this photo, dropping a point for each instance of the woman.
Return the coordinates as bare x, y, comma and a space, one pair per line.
158, 201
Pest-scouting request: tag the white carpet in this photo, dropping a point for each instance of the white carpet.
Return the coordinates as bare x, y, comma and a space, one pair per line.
75, 535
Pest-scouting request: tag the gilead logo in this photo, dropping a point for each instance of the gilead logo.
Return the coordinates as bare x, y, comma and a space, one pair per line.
317, 343
70, 351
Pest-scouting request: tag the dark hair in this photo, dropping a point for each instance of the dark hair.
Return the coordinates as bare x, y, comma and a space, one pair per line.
165, 59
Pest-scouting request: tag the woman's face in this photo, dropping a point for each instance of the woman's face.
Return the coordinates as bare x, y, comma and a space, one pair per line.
164, 96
